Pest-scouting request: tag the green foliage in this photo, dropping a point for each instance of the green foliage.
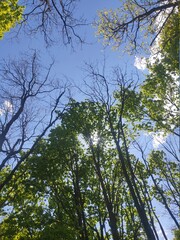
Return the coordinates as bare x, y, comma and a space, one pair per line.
176, 234
169, 42
160, 96
61, 181
136, 20
72, 174
75, 184
160, 90
133, 108
10, 15
76, 172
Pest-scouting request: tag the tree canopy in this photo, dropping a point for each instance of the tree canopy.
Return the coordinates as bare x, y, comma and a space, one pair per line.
10, 15
134, 21
93, 186
103, 165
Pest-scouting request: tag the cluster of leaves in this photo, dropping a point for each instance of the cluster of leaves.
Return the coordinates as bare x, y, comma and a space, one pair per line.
10, 15
86, 180
133, 21
67, 196
160, 89
169, 42
74, 186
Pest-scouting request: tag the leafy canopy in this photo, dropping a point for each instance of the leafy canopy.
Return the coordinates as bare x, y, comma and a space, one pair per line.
10, 15
134, 21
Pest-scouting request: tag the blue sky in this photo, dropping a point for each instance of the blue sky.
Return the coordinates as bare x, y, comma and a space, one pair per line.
69, 62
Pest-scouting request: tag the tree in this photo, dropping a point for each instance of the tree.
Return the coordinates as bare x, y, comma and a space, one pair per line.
10, 15
95, 123
55, 20
86, 180
135, 20
85, 177
176, 235
22, 122
165, 189
159, 90
121, 140
81, 183
129, 106
161, 97
169, 43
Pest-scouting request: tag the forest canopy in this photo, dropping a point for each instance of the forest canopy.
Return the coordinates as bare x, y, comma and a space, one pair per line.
10, 15
102, 164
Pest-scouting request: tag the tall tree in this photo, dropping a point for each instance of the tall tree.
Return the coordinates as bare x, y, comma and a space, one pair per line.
85, 180
160, 89
81, 183
22, 123
124, 114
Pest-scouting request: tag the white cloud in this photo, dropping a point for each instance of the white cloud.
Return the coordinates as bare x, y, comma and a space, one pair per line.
158, 139
6, 107
140, 63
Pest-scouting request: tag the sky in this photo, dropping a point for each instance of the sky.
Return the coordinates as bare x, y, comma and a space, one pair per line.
69, 63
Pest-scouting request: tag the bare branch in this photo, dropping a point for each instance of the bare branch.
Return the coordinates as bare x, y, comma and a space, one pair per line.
24, 120
54, 19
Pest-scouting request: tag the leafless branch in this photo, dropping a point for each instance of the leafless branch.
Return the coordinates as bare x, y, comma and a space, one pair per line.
22, 123
55, 19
